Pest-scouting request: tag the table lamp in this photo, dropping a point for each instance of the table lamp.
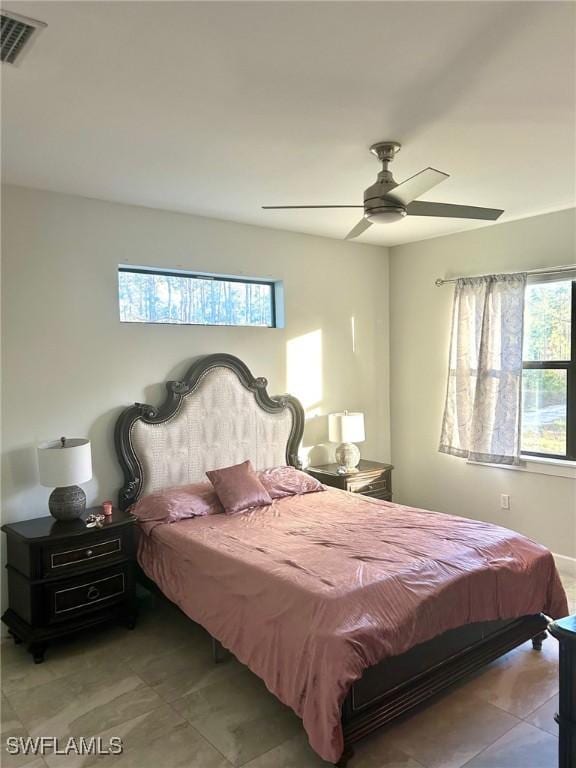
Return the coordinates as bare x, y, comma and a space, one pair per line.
346, 429
63, 464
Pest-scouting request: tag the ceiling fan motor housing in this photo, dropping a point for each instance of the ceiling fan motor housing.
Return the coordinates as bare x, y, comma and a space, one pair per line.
377, 205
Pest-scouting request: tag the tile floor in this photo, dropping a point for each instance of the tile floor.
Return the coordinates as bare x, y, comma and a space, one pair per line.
158, 690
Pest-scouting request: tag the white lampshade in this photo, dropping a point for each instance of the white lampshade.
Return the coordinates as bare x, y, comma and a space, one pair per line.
61, 466
346, 427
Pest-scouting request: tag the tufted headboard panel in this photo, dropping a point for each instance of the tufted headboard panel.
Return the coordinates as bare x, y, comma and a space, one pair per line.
218, 415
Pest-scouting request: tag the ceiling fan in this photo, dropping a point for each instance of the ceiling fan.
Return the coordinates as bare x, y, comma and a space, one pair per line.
386, 201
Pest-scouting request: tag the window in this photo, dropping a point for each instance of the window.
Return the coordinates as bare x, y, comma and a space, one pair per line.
158, 296
549, 376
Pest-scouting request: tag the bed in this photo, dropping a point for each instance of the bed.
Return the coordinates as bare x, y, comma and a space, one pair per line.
351, 609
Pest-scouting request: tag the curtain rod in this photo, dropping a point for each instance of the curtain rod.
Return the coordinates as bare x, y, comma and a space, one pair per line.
541, 271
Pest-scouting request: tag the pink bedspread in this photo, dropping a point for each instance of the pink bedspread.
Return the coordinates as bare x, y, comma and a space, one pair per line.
311, 591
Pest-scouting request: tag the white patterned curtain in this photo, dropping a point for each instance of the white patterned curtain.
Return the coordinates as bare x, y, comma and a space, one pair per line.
482, 413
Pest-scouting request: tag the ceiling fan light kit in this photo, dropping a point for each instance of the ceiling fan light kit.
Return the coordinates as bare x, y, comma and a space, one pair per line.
385, 214
386, 202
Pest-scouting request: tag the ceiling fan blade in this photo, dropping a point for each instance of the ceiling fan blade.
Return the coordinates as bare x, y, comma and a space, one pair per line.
417, 185
290, 207
362, 226
424, 208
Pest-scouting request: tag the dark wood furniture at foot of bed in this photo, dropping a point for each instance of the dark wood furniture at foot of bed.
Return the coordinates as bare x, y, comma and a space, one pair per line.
386, 690
564, 630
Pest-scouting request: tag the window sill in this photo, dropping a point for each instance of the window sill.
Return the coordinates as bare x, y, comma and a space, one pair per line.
538, 465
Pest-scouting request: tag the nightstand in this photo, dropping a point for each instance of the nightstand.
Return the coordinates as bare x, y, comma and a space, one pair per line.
64, 577
372, 479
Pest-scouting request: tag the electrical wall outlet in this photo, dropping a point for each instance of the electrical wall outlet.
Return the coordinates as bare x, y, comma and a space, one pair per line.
504, 501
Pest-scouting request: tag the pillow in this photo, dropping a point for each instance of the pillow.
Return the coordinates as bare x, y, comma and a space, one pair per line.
239, 488
173, 504
288, 481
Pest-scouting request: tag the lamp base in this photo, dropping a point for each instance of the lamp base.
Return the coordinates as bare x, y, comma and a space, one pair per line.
67, 503
347, 458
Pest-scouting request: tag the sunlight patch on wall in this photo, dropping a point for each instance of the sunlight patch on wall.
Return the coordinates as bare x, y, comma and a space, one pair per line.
304, 371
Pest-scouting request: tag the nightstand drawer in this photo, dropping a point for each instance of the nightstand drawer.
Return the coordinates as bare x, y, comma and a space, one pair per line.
66, 557
89, 594
383, 495
367, 485
89, 552
372, 478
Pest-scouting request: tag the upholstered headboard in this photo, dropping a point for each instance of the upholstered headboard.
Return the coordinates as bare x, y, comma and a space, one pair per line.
216, 416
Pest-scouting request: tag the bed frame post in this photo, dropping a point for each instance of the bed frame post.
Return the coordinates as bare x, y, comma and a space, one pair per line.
347, 755
538, 640
218, 652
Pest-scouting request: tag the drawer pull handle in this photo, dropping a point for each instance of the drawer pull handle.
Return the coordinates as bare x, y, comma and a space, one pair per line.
89, 553
93, 593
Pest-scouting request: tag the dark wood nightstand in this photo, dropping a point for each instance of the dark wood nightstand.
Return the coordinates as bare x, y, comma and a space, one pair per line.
372, 479
64, 577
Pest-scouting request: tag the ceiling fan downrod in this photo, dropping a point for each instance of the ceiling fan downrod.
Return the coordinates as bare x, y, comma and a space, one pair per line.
385, 151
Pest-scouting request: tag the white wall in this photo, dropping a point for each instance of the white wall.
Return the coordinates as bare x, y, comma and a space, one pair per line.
543, 507
70, 366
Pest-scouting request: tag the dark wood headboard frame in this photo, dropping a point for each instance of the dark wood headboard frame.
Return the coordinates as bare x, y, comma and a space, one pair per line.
176, 391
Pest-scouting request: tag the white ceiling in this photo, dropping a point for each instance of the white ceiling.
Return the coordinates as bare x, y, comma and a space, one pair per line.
217, 108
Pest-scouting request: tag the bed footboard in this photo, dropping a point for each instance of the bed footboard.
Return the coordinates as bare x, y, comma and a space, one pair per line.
397, 685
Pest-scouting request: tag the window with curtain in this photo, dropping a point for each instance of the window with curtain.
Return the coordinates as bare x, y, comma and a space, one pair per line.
549, 370
482, 414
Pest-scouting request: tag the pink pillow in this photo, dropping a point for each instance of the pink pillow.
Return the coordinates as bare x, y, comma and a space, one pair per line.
239, 488
173, 504
288, 481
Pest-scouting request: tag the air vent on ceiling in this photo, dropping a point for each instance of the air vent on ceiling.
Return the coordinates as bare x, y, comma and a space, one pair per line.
16, 34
